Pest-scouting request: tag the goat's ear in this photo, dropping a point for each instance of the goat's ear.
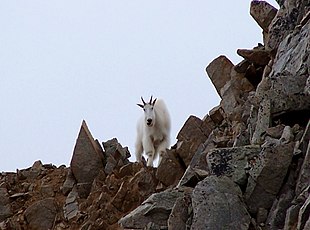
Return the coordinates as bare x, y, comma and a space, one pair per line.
154, 101
142, 106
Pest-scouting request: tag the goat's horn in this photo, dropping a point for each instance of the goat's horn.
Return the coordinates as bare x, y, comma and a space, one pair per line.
143, 101
151, 100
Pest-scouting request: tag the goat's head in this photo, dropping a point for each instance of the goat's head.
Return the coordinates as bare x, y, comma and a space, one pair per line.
149, 113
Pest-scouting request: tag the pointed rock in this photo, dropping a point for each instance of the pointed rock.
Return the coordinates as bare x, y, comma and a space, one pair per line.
87, 159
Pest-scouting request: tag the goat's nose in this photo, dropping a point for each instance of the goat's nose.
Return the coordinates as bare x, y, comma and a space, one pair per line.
149, 121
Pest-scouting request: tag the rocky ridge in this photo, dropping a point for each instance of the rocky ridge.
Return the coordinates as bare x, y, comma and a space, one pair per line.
245, 165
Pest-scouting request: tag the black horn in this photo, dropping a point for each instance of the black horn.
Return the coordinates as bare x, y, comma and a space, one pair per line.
143, 101
151, 100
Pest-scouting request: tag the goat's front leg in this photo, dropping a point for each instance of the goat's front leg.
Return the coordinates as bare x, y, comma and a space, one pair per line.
149, 151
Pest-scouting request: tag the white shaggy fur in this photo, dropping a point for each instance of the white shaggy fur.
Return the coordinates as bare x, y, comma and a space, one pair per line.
153, 131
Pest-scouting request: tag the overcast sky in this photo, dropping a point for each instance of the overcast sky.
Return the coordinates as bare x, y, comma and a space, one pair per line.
65, 61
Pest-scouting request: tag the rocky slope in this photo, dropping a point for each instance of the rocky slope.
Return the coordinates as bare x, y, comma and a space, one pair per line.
245, 165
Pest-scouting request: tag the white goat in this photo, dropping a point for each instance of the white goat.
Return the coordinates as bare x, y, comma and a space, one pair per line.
153, 131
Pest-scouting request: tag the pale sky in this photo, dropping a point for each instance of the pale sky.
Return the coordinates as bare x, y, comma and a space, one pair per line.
65, 61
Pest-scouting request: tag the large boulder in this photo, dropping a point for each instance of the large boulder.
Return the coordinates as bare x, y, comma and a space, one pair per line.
41, 214
217, 204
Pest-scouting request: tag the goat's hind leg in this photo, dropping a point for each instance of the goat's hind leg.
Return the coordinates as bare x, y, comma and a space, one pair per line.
162, 150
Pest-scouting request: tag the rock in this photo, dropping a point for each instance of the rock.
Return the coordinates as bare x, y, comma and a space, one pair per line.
275, 131
217, 114
86, 150
41, 214
193, 133
180, 215
5, 207
156, 209
132, 192
219, 72
304, 174
304, 214
69, 183
71, 206
278, 211
287, 17
47, 191
266, 175
257, 56
242, 66
217, 204
263, 13
116, 155
232, 162
192, 176
169, 170
263, 121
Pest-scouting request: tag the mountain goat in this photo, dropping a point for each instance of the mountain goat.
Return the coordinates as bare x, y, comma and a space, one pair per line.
153, 131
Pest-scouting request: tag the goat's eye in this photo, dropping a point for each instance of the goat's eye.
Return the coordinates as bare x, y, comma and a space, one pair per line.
144, 109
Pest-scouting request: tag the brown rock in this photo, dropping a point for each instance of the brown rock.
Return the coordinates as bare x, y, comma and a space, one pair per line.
41, 214
242, 66
257, 56
169, 170
5, 207
116, 156
193, 133
86, 150
217, 114
263, 13
219, 72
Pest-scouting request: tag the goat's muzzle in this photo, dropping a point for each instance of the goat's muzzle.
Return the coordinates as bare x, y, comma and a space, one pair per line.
149, 122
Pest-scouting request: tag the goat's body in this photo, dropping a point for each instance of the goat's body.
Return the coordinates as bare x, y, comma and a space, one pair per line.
154, 140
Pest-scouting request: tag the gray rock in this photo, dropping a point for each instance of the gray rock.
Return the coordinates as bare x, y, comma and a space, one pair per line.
291, 218
290, 72
232, 162
71, 206
181, 213
155, 210
217, 204
41, 214
69, 183
266, 175
278, 211
304, 214
263, 121
284, 22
